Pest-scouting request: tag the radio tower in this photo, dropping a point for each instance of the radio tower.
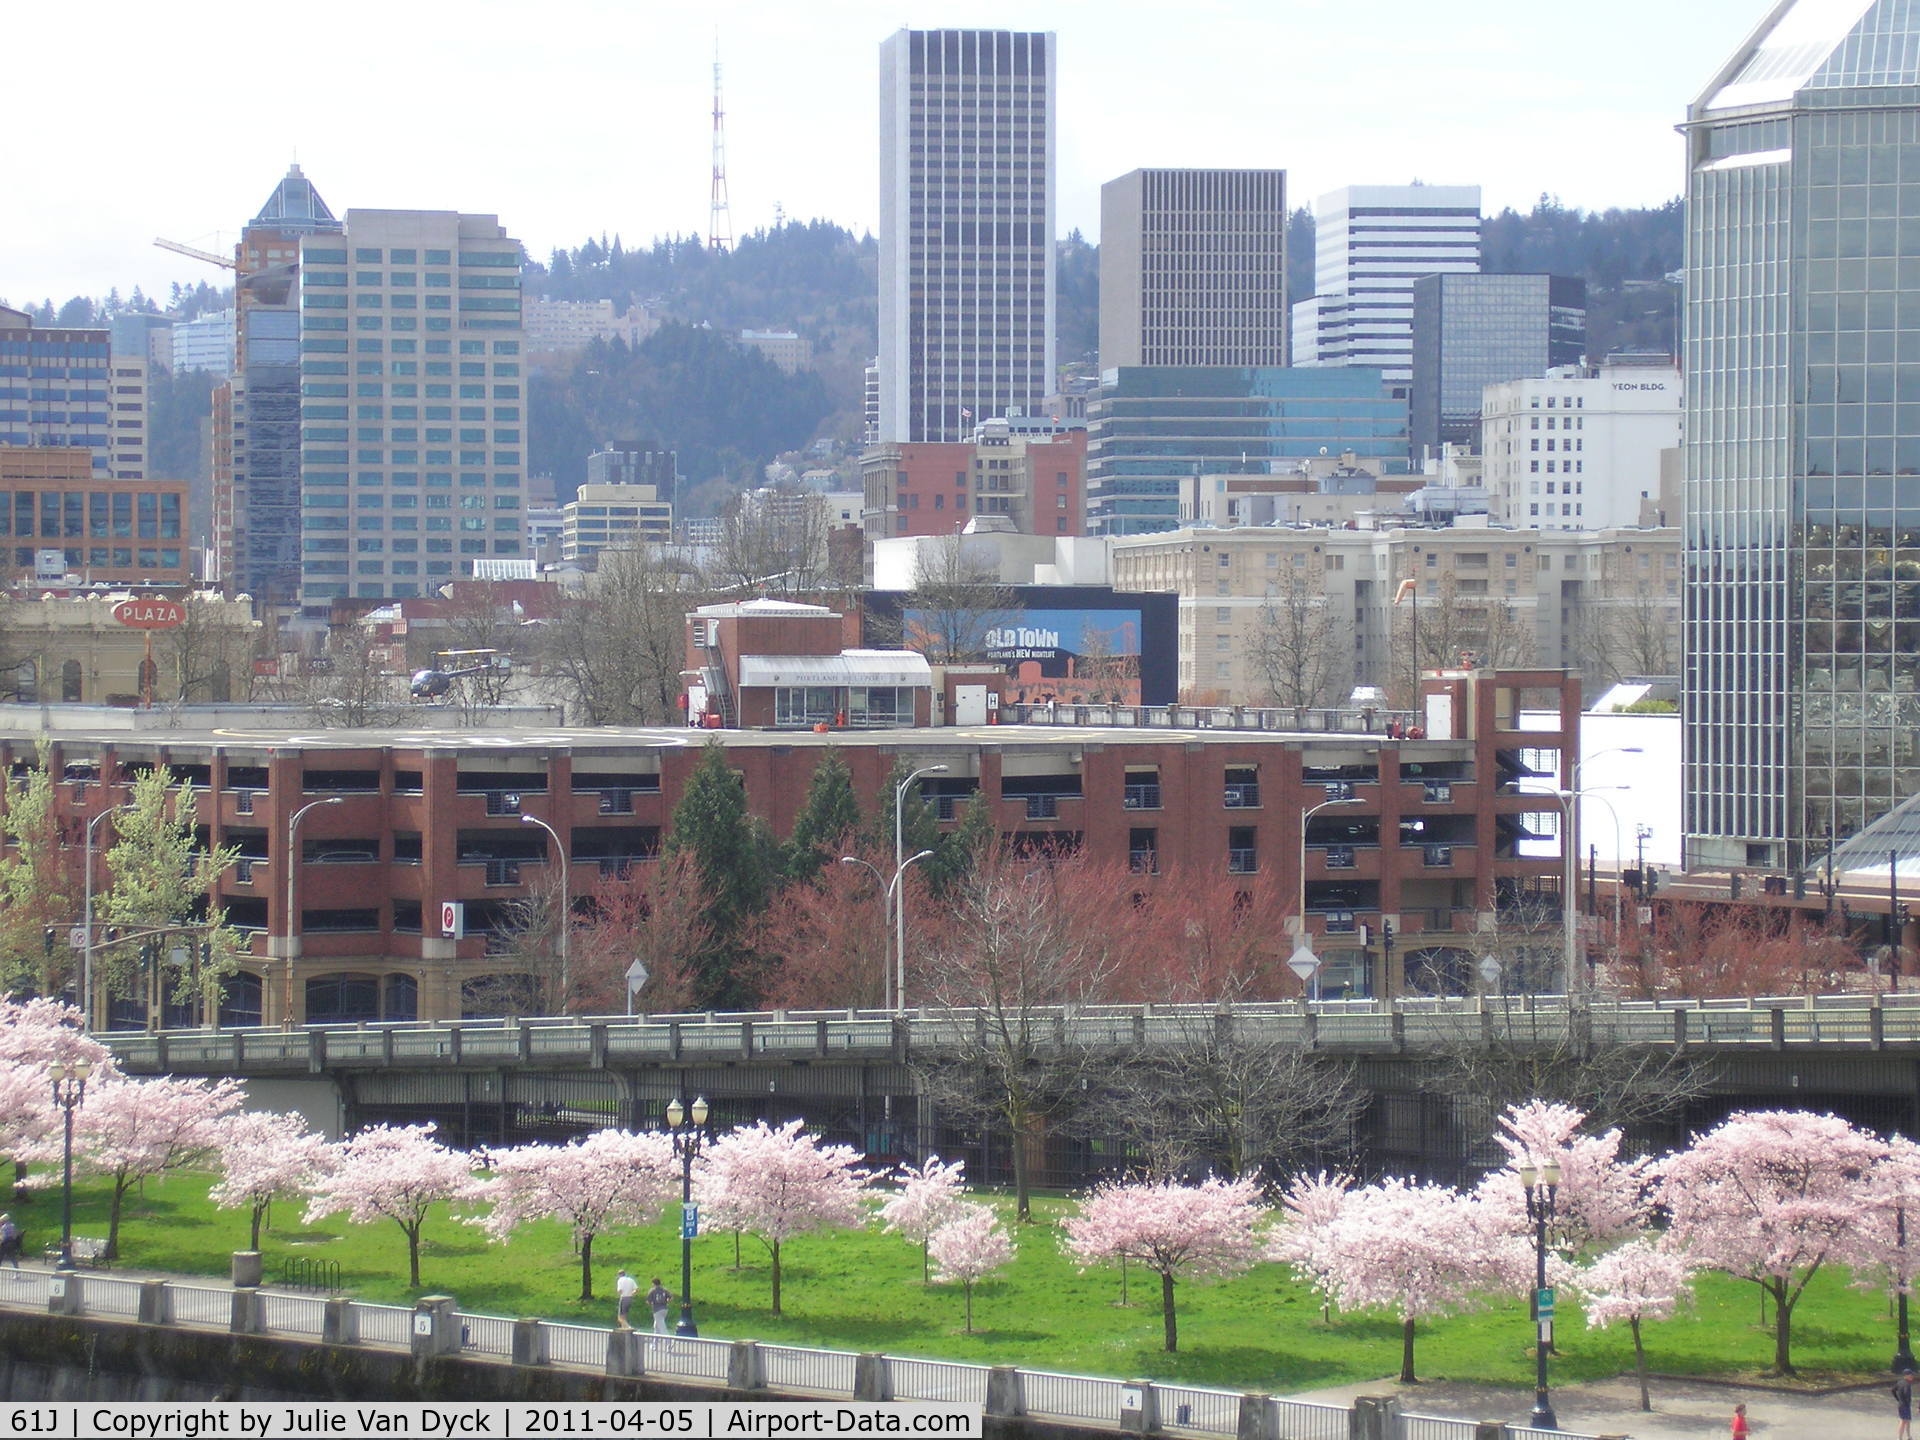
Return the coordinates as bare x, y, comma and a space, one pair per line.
719, 223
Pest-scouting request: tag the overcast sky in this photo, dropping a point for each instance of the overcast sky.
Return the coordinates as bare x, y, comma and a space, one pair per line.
569, 118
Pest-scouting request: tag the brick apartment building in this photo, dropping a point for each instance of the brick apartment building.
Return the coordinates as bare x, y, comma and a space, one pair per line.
1429, 842
1038, 481
117, 531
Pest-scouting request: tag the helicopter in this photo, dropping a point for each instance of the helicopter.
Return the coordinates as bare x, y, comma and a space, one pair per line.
436, 681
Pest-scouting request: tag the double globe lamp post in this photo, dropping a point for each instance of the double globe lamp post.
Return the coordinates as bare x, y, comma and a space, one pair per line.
69, 1090
1541, 1186
687, 1129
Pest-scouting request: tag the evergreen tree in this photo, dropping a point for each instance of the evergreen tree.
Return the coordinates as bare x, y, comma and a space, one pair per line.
920, 826
829, 816
734, 853
961, 850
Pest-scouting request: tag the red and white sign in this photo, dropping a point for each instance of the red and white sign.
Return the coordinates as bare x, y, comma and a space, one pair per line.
149, 614
453, 919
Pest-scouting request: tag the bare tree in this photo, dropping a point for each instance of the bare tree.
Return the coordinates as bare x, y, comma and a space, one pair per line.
1222, 1093
480, 616
209, 655
1011, 955
1453, 627
348, 683
773, 541
957, 601
618, 651
1631, 635
1293, 646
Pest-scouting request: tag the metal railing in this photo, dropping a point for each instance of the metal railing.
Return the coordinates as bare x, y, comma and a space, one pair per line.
734, 1364
1070, 1397
1778, 1022
1244, 796
200, 1305
1301, 720
814, 1372
380, 1324
1243, 862
1140, 797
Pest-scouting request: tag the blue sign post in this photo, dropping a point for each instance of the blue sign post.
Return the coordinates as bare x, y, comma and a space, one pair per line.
690, 1221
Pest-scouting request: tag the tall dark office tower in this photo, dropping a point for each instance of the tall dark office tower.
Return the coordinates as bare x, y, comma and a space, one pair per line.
256, 472
1802, 631
1472, 331
966, 229
1193, 268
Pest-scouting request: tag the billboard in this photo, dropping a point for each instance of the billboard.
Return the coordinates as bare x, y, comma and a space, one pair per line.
1070, 655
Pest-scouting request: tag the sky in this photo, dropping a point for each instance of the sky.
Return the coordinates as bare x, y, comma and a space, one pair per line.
580, 117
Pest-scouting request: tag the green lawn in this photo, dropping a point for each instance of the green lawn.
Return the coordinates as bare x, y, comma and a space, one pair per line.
863, 1292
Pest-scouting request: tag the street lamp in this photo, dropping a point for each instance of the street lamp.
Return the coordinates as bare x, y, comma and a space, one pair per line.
86, 923
900, 896
69, 1089
1541, 1186
1570, 856
1297, 962
687, 1131
1903, 1349
293, 876
566, 908
887, 889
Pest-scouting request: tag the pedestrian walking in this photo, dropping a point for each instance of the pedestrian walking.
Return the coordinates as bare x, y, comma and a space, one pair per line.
1740, 1422
1903, 1403
9, 1241
624, 1289
659, 1300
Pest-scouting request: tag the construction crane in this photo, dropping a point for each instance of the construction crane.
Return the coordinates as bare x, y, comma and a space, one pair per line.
223, 261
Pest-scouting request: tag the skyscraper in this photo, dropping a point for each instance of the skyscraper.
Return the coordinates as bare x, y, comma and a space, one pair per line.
1371, 242
413, 420
966, 229
256, 459
1802, 632
1193, 268
55, 387
1472, 331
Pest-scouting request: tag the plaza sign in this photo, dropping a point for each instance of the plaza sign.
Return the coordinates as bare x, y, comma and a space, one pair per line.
149, 614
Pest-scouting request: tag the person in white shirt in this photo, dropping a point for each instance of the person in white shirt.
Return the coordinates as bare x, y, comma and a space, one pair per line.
624, 1289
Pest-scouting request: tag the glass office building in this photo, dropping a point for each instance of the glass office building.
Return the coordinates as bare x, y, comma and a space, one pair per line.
1472, 331
1153, 424
1802, 687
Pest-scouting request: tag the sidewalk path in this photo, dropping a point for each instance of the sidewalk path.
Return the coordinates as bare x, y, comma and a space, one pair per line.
1682, 1410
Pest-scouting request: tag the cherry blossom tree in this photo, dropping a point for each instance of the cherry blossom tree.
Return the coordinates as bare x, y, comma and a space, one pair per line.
928, 1198
1304, 1237
391, 1172
968, 1247
1601, 1199
1420, 1251
132, 1130
1637, 1281
607, 1179
34, 1034
1884, 1248
1204, 1231
776, 1182
1770, 1197
265, 1156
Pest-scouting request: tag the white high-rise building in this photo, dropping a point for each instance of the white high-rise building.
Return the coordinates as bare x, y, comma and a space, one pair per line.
1579, 449
966, 230
1371, 242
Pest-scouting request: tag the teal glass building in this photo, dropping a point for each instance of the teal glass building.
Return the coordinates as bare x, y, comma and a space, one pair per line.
1151, 425
1802, 620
